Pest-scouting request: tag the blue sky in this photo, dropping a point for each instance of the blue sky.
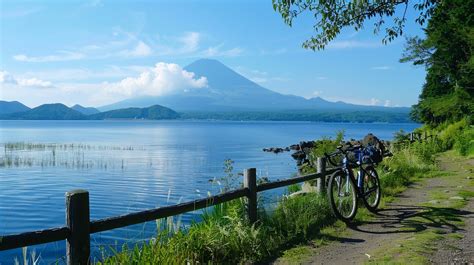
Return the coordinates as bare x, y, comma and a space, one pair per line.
80, 51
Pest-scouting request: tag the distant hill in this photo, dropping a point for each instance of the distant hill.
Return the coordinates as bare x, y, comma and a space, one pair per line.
229, 91
85, 110
62, 112
55, 111
316, 116
7, 107
155, 112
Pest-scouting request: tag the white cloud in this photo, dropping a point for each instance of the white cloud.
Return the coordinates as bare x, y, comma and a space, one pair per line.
34, 82
140, 50
163, 79
190, 41
317, 93
384, 67
8, 79
59, 56
85, 74
217, 51
374, 101
349, 44
259, 77
259, 80
122, 44
321, 78
378, 102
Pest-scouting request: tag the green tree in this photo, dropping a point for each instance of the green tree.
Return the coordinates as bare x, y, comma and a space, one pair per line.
333, 15
447, 54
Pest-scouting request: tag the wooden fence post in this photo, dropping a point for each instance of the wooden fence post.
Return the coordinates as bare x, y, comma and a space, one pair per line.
78, 222
321, 168
250, 182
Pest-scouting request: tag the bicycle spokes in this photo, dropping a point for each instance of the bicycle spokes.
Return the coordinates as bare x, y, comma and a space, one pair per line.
343, 196
371, 190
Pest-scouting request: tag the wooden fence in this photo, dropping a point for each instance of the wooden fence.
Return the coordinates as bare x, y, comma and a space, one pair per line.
419, 137
78, 226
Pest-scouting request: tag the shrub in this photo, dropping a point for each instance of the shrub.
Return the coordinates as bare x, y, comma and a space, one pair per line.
408, 163
464, 142
301, 217
448, 135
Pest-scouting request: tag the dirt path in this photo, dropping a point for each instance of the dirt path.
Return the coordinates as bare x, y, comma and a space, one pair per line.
461, 251
451, 251
401, 220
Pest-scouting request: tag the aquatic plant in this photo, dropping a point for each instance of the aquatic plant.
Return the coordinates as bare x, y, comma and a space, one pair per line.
75, 156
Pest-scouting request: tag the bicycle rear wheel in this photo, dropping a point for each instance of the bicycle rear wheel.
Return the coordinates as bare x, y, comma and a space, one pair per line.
371, 192
342, 196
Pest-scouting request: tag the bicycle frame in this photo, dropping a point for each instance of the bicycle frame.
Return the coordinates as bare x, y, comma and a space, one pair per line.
355, 188
347, 168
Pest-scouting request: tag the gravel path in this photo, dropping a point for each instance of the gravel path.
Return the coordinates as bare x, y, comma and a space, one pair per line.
459, 251
391, 225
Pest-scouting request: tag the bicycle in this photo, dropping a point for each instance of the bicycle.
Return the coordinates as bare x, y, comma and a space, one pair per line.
344, 190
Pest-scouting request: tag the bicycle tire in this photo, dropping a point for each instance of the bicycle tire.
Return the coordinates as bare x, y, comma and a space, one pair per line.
338, 180
372, 185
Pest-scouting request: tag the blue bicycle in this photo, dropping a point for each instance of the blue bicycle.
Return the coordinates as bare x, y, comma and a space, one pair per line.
344, 189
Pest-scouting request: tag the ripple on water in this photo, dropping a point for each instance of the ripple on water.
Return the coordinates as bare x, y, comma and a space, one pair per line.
161, 163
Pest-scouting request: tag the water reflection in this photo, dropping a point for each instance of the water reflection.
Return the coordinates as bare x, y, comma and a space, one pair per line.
141, 165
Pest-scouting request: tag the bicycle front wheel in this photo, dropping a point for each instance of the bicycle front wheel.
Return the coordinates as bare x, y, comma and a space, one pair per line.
342, 196
372, 191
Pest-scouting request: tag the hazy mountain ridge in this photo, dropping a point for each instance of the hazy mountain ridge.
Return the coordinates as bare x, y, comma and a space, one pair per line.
314, 116
58, 111
228, 96
155, 112
7, 107
85, 110
230, 91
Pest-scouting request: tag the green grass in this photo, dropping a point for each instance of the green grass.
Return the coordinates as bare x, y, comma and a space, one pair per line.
412, 250
297, 254
225, 236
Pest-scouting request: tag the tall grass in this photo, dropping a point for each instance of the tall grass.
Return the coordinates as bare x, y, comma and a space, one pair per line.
416, 160
458, 136
407, 164
26, 260
225, 236
77, 156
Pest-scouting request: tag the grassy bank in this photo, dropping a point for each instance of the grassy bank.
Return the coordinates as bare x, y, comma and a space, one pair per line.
226, 236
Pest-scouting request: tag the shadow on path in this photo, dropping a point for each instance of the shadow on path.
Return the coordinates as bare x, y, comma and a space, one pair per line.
408, 219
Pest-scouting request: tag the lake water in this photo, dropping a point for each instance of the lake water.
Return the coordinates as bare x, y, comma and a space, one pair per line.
129, 166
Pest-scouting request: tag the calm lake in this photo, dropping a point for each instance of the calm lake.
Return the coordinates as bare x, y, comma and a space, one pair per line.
129, 166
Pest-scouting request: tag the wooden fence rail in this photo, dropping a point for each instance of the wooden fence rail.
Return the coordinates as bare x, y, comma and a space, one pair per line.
79, 227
